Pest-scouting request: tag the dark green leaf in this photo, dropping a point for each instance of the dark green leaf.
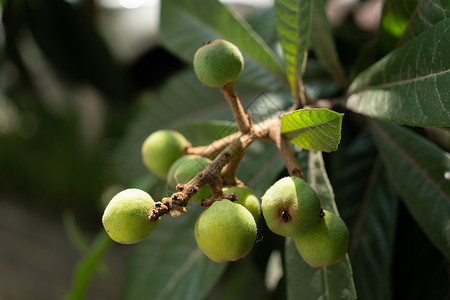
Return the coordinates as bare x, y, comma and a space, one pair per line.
426, 14
316, 129
169, 265
293, 19
420, 171
323, 45
411, 85
186, 24
304, 281
373, 237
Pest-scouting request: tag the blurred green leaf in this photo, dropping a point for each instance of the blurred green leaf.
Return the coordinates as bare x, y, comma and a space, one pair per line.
304, 281
322, 42
87, 265
411, 84
187, 24
420, 171
372, 247
169, 265
316, 129
293, 20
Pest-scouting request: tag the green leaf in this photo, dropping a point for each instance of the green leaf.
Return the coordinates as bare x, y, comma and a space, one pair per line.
323, 45
87, 265
316, 129
426, 14
187, 24
373, 237
169, 265
293, 20
411, 85
420, 172
304, 281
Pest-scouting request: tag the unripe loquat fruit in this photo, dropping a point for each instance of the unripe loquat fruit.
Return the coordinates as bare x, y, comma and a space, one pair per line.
160, 150
125, 218
217, 63
225, 231
326, 243
247, 198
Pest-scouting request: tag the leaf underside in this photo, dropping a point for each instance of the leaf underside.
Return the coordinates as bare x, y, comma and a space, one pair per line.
316, 129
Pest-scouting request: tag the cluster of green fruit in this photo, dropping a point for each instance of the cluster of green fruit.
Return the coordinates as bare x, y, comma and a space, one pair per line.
226, 230
291, 208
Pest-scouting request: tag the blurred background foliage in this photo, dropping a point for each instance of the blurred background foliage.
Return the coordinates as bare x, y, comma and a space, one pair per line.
83, 82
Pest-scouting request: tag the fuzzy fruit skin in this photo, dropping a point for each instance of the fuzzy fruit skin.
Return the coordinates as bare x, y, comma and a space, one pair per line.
161, 148
225, 231
125, 218
326, 243
218, 63
290, 207
247, 198
184, 169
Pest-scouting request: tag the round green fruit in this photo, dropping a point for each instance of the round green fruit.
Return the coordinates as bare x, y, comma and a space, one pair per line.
326, 243
225, 231
247, 198
161, 149
126, 216
184, 169
217, 63
290, 207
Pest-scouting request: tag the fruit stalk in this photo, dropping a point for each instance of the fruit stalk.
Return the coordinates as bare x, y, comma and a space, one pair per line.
236, 107
285, 150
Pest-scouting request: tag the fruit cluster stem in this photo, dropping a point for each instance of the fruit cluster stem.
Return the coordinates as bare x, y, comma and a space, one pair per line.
230, 151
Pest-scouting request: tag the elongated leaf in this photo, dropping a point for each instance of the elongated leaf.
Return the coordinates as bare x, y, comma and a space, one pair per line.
316, 129
426, 14
87, 265
411, 85
420, 172
373, 237
169, 265
187, 24
323, 45
293, 19
304, 281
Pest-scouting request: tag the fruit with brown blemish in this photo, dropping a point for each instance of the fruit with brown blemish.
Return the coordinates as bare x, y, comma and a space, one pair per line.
290, 207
